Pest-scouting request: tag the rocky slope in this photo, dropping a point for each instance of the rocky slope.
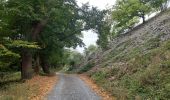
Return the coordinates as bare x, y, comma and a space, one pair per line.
137, 65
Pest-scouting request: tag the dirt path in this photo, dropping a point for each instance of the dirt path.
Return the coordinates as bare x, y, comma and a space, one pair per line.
71, 87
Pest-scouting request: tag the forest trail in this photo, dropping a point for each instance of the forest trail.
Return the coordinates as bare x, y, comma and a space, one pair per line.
71, 87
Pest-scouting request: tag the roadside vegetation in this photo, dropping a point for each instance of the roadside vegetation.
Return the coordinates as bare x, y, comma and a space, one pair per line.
36, 37
140, 76
13, 88
136, 69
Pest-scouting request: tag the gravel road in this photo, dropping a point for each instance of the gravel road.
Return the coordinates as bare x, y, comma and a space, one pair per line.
71, 87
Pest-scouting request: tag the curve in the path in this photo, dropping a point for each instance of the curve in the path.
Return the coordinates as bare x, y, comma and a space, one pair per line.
71, 87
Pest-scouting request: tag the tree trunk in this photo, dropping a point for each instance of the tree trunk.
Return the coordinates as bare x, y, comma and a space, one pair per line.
26, 65
45, 68
37, 28
143, 17
44, 65
37, 64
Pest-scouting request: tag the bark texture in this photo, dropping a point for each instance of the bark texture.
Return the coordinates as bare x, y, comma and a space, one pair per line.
37, 64
45, 68
26, 65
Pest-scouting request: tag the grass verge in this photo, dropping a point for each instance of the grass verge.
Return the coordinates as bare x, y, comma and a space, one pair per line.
105, 95
12, 88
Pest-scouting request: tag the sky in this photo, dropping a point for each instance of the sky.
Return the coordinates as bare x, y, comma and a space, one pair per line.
89, 36
101, 4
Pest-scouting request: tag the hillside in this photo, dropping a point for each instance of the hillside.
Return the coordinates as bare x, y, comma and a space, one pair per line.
137, 65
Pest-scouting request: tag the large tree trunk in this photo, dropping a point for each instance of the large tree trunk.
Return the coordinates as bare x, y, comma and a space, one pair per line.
26, 65
37, 64
37, 28
45, 68
45, 65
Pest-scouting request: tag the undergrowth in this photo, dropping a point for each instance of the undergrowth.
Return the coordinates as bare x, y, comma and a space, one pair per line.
144, 72
86, 67
12, 88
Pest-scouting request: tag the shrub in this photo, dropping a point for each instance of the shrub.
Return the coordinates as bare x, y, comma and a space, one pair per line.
99, 75
86, 67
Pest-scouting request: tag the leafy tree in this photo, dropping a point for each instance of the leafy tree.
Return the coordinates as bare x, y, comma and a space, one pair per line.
53, 24
75, 58
72, 59
96, 20
62, 31
89, 52
7, 57
125, 11
40, 30
157, 4
91, 49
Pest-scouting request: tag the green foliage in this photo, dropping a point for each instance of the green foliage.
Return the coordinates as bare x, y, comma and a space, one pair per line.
153, 43
91, 49
23, 44
9, 76
165, 65
158, 4
126, 13
136, 71
73, 58
99, 76
167, 45
7, 57
45, 28
86, 67
96, 20
10, 83
4, 52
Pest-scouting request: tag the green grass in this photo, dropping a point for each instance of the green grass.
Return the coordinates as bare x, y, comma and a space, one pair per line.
86, 67
145, 75
12, 88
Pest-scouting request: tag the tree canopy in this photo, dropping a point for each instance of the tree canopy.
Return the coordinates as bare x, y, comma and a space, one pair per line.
35, 34
127, 13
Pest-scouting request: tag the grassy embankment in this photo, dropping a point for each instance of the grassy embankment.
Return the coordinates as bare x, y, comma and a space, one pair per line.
136, 71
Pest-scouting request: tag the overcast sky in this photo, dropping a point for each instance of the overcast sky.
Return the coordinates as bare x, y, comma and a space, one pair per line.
101, 4
89, 36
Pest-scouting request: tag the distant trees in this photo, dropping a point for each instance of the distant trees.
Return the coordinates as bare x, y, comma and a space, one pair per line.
90, 49
96, 20
72, 59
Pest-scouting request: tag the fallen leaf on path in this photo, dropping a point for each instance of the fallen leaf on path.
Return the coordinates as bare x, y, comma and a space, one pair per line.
105, 95
43, 85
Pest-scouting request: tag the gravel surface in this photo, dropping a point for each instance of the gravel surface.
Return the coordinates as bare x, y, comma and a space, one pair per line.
71, 87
